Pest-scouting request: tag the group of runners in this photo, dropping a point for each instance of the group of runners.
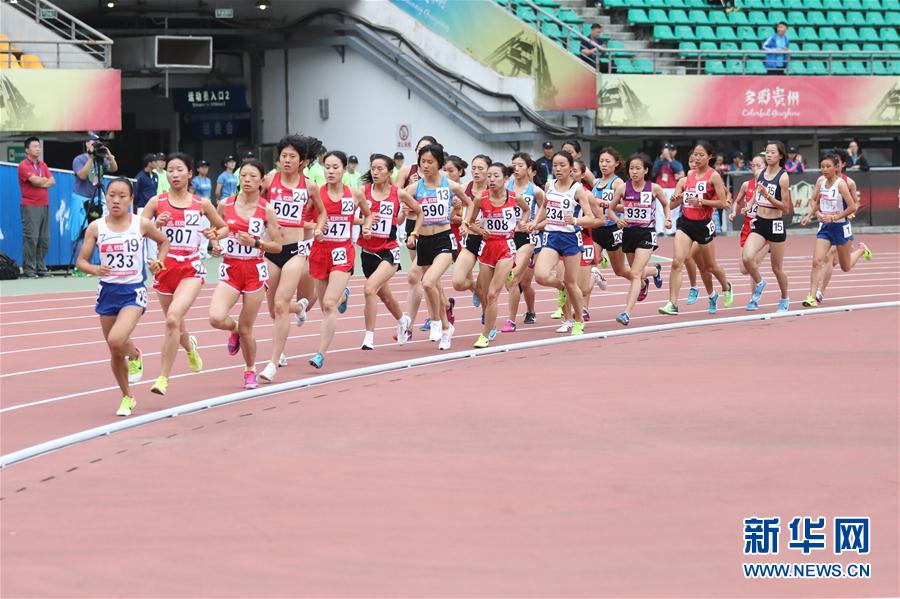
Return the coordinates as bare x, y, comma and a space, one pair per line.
285, 238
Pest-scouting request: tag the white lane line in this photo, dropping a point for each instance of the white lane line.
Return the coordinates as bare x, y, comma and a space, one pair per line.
121, 425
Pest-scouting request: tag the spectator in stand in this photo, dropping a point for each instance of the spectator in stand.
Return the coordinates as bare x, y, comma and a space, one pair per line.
162, 178
778, 43
351, 176
592, 52
544, 166
738, 163
35, 180
316, 171
226, 183
398, 164
858, 162
666, 172
794, 162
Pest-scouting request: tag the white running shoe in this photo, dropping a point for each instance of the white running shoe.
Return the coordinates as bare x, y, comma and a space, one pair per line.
268, 373
599, 281
403, 326
565, 327
436, 332
282, 360
446, 337
369, 340
300, 317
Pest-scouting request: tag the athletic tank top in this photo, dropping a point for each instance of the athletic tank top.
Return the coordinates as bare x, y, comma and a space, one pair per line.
605, 194
436, 202
255, 226
639, 206
831, 201
559, 204
698, 188
289, 203
499, 221
384, 230
750, 198
339, 216
183, 229
771, 186
122, 252
527, 195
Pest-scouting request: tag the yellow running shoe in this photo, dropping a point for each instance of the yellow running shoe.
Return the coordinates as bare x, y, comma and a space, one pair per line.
135, 368
126, 406
481, 342
160, 386
561, 298
604, 261
867, 253
193, 356
558, 314
577, 328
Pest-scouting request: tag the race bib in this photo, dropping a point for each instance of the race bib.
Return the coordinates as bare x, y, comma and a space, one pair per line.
395, 255
141, 296
777, 227
638, 214
337, 230
711, 227
617, 236
199, 268
382, 227
435, 208
587, 253
646, 198
233, 249
263, 270
121, 256
256, 227
848, 232
223, 271
339, 256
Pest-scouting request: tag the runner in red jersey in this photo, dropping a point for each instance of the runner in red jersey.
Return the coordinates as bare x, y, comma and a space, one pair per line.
178, 214
455, 168
746, 200
243, 272
380, 253
293, 197
463, 279
332, 258
497, 220
701, 192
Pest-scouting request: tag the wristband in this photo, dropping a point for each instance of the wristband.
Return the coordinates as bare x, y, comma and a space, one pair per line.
257, 243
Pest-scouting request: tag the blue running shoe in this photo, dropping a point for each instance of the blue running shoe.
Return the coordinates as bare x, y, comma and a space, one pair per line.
713, 300
491, 335
426, 326
693, 295
657, 278
783, 305
758, 291
342, 307
623, 319
752, 306
475, 301
317, 360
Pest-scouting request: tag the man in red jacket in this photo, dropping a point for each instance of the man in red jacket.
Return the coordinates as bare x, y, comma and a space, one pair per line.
34, 181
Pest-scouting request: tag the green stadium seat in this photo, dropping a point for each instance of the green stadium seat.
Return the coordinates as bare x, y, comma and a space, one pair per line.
547, 3
738, 18
797, 18
836, 19
618, 48
810, 47
706, 46
615, 3
795, 4
657, 15
848, 34
871, 5
749, 47
775, 4
833, 5
732, 48
623, 65
891, 4
871, 47
796, 67
850, 47
716, 67
698, 17
677, 4
717, 17
813, 5
678, 17
526, 13
705, 32
567, 15
663, 32
817, 18
882, 68
815, 67
638, 16
805, 34
830, 47
830, 34
775, 17
754, 4
657, 3
734, 67
688, 49
725, 33
855, 18
684, 32
756, 67
757, 18
552, 30
747, 33
892, 19
852, 5
889, 34
642, 65
839, 68
868, 34
858, 67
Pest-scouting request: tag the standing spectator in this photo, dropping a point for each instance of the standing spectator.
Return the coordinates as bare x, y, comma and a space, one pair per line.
87, 178
246, 156
162, 178
667, 171
858, 162
591, 52
34, 182
226, 183
145, 186
202, 184
351, 176
778, 42
398, 164
316, 171
544, 166
739, 163
719, 164
794, 162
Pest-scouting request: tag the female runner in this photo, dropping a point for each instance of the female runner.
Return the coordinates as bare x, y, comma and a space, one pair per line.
332, 258
455, 169
244, 272
497, 209
380, 253
608, 237
635, 202
468, 253
178, 215
773, 197
290, 193
121, 297
833, 204
561, 216
701, 191
435, 245
746, 200
520, 281
574, 148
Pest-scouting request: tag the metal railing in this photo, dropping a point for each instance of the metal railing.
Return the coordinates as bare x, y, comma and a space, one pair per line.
74, 31
545, 16
61, 54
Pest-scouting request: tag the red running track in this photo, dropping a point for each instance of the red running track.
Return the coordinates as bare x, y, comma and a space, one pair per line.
518, 481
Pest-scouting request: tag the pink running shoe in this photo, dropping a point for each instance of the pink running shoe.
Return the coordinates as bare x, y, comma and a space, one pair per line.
645, 287
509, 327
250, 381
234, 344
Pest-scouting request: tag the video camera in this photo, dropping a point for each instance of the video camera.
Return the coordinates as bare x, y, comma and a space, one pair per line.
100, 149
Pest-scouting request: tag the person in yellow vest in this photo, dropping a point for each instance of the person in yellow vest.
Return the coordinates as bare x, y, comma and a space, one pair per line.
351, 175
